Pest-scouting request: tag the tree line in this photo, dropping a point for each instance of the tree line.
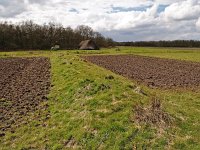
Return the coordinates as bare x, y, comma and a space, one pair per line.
176, 43
30, 36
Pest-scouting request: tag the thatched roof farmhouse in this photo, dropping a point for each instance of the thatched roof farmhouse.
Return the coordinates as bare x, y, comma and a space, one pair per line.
88, 45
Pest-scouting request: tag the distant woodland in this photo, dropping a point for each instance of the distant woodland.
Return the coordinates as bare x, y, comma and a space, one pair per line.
30, 36
177, 43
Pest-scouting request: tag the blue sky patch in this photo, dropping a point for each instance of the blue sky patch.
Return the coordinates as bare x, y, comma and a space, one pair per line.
123, 9
161, 8
74, 10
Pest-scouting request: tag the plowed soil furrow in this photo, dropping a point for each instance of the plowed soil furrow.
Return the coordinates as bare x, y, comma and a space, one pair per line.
24, 84
154, 72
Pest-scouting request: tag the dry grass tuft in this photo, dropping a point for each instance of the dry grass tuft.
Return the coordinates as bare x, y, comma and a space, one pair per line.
152, 114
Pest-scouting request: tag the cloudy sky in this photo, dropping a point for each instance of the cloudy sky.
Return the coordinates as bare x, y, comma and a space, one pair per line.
127, 20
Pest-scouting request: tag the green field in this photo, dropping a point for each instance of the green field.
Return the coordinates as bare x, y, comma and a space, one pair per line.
88, 111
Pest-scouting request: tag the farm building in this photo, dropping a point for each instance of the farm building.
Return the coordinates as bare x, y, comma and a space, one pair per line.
56, 46
88, 45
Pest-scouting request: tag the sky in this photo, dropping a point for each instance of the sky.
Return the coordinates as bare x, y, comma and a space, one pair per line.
127, 20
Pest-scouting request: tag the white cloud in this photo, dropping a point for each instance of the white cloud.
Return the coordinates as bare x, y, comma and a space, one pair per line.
185, 10
198, 24
133, 20
167, 2
8, 8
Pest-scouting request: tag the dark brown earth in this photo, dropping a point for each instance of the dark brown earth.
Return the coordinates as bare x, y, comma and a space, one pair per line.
24, 84
154, 72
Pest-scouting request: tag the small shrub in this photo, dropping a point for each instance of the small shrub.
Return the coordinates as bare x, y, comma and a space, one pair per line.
110, 77
117, 49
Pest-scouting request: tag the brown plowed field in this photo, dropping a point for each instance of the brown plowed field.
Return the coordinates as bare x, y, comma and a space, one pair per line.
24, 83
154, 72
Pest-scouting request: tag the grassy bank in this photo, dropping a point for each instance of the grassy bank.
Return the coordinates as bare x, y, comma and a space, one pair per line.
90, 111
